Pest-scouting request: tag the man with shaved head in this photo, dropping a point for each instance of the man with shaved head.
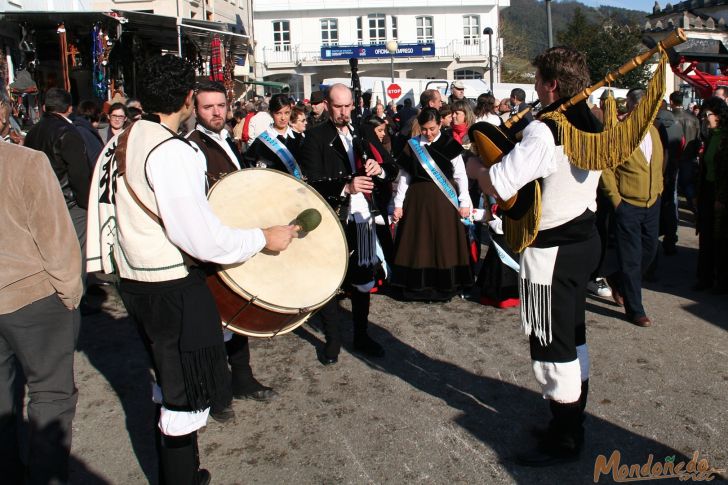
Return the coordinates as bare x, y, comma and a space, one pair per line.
346, 170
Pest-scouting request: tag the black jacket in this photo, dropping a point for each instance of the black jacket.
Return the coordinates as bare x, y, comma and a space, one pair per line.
258, 152
91, 138
523, 123
64, 146
325, 164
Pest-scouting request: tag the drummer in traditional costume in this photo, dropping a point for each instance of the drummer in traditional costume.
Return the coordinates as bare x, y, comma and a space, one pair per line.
555, 268
223, 157
278, 146
339, 165
147, 209
432, 207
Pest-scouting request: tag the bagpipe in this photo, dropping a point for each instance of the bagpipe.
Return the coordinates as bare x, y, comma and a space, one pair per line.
588, 151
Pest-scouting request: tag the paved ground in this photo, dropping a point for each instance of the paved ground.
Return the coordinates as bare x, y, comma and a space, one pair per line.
451, 403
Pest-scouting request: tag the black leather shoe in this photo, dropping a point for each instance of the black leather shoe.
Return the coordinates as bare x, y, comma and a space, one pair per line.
224, 415
263, 394
366, 346
203, 477
542, 458
701, 286
326, 360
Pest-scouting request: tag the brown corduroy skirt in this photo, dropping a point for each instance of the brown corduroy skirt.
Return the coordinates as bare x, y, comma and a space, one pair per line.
431, 247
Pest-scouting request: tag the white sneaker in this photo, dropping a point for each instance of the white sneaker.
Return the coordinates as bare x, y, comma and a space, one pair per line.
599, 287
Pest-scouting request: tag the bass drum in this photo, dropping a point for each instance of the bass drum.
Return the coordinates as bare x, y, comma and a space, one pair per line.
274, 293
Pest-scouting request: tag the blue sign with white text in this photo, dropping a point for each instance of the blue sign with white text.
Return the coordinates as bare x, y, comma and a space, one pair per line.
376, 51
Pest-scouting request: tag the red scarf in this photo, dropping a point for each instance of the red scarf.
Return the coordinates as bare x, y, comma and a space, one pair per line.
459, 131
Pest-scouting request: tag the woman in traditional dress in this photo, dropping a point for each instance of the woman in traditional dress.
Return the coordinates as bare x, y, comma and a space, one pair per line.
498, 280
431, 247
270, 147
374, 133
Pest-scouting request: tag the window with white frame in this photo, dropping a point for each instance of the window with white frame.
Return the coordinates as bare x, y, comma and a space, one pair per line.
471, 29
424, 29
377, 28
359, 30
467, 74
395, 35
329, 32
282, 35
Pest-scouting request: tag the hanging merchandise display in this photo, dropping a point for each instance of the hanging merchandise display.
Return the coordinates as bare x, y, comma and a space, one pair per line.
100, 49
64, 56
216, 57
228, 75
75, 55
193, 56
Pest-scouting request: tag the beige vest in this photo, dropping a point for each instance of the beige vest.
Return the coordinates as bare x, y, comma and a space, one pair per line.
142, 251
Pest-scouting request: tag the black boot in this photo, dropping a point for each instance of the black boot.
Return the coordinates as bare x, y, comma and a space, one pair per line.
244, 384
583, 397
563, 440
179, 461
363, 343
329, 316
221, 409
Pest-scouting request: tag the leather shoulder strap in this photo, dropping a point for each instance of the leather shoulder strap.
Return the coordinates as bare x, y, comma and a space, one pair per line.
141, 205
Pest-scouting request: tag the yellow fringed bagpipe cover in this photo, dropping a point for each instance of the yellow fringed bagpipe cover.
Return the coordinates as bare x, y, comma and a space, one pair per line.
594, 151
615, 144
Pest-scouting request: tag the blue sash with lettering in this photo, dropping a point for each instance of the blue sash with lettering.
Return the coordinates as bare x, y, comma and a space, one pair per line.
442, 183
282, 152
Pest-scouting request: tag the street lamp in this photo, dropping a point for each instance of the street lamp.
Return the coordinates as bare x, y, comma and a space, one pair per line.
392, 49
489, 32
548, 23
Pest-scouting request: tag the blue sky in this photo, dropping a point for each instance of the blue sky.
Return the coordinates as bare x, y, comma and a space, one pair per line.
645, 5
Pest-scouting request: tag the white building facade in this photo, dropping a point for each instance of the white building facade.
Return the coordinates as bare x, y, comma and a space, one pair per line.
303, 42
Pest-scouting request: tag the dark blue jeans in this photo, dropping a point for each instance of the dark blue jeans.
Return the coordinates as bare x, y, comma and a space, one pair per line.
686, 180
636, 231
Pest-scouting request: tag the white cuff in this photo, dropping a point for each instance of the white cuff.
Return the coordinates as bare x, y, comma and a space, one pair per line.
560, 381
180, 423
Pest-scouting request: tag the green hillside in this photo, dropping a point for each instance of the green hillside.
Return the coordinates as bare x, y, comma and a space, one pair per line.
524, 31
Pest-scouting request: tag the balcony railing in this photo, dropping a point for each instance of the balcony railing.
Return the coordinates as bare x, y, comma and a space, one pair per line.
298, 54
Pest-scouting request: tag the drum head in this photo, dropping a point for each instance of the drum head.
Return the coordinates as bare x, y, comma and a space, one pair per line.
310, 271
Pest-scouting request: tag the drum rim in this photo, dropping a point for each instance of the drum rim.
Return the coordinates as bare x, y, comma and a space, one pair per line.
287, 329
263, 303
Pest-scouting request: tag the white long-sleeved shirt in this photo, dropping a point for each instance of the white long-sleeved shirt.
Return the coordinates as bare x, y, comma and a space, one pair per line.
529, 160
274, 133
646, 147
460, 177
177, 175
566, 192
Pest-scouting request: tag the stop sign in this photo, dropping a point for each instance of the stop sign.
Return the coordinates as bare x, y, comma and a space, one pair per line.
394, 91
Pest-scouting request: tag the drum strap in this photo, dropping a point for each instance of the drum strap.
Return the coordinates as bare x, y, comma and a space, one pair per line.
121, 147
282, 152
